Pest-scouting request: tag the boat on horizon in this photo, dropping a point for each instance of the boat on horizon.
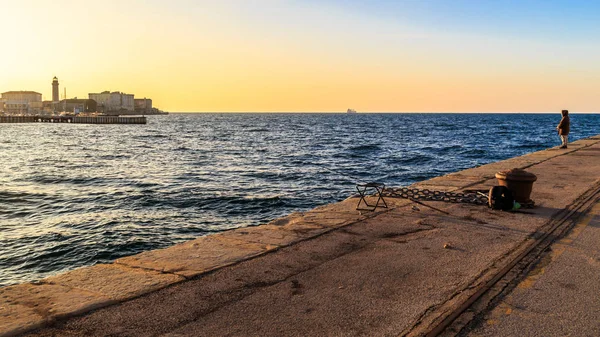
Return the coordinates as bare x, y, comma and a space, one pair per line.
351, 111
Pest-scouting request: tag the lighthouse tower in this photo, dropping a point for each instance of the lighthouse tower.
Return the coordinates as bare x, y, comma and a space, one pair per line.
55, 97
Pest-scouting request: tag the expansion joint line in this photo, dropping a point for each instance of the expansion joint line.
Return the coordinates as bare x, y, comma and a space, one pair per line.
555, 229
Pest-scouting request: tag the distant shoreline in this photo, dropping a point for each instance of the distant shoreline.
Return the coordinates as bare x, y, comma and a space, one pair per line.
373, 113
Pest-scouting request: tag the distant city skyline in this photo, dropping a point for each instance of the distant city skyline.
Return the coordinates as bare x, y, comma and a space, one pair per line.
310, 56
19, 102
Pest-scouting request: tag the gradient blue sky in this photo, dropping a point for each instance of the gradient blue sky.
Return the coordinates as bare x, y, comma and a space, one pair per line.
277, 55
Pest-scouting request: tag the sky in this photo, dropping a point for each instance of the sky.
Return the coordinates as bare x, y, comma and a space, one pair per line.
310, 55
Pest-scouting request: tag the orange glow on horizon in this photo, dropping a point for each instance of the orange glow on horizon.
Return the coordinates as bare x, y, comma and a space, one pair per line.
215, 57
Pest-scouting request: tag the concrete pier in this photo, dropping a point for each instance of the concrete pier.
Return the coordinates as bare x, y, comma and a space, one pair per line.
74, 119
406, 270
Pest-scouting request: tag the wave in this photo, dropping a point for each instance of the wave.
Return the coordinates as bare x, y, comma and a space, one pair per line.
366, 148
24, 197
45, 180
534, 147
416, 159
126, 190
151, 136
114, 156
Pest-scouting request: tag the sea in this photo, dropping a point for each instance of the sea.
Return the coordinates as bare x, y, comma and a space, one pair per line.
74, 195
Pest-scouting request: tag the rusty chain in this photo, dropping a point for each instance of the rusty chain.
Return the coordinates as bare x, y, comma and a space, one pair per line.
475, 197
429, 195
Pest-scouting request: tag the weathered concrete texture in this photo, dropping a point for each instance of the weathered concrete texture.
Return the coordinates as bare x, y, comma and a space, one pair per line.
300, 226
560, 297
27, 306
196, 257
270, 235
451, 182
18, 318
488, 171
563, 179
114, 281
334, 270
374, 277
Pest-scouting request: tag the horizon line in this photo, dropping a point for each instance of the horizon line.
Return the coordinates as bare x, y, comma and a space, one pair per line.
387, 112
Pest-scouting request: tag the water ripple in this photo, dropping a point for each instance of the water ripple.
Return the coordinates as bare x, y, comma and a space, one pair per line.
75, 195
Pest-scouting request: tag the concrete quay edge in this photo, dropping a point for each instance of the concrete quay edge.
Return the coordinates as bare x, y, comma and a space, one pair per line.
29, 306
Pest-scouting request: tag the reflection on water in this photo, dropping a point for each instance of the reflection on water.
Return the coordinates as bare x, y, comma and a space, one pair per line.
74, 195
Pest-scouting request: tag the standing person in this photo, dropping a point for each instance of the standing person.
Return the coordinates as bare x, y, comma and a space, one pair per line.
563, 128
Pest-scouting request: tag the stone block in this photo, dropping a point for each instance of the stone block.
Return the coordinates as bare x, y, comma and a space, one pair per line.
311, 223
115, 281
28, 306
198, 256
16, 319
271, 235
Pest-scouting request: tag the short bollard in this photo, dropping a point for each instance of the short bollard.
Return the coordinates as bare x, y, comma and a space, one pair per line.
519, 182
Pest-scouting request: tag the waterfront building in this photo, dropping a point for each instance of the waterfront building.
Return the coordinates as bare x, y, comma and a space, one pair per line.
48, 107
22, 96
1, 106
55, 97
143, 105
36, 107
108, 102
76, 106
21, 102
16, 108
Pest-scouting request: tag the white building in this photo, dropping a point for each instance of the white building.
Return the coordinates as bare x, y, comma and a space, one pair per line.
21, 102
143, 105
113, 101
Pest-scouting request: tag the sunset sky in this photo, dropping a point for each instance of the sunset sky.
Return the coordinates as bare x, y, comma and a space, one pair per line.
310, 55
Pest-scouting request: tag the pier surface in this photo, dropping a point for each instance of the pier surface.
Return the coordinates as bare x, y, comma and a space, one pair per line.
407, 270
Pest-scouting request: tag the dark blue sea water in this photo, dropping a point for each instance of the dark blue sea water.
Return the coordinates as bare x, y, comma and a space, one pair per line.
75, 195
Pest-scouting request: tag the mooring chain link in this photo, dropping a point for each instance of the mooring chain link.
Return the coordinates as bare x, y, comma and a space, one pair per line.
425, 194
476, 197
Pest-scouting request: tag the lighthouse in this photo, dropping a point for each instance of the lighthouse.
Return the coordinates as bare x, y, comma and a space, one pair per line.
55, 97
